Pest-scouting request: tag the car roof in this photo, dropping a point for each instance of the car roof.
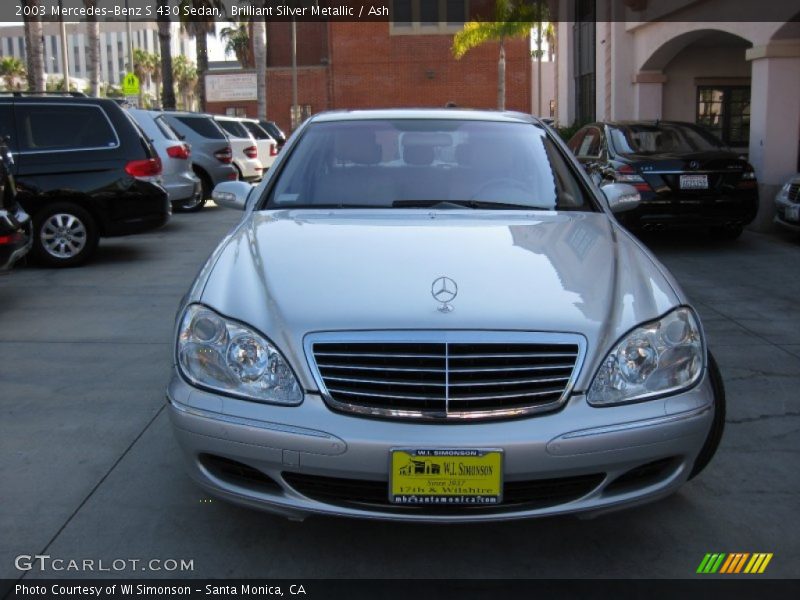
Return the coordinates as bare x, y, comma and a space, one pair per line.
26, 98
650, 122
425, 113
186, 113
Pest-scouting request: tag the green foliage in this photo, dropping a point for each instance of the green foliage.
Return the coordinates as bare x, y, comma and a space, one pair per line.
513, 19
238, 43
12, 71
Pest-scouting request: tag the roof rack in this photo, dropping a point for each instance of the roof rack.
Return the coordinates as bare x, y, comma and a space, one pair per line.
73, 94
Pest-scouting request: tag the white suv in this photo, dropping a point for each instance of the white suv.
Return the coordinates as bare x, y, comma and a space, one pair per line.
245, 149
267, 146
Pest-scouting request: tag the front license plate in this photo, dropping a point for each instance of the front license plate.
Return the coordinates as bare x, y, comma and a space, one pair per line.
446, 476
694, 182
792, 213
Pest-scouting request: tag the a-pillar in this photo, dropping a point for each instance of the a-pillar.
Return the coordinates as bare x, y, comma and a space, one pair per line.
648, 94
774, 121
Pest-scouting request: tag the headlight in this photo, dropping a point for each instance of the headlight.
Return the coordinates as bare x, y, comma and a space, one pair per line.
226, 356
657, 358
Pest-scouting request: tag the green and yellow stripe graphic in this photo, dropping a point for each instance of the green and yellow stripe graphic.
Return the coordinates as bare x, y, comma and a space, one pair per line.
734, 563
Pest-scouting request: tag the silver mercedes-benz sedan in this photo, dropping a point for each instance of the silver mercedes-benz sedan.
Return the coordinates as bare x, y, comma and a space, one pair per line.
433, 315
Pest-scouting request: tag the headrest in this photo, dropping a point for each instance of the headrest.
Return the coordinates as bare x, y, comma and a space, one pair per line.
418, 155
358, 147
465, 154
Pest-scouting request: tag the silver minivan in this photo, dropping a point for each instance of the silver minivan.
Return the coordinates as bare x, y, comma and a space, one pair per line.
183, 186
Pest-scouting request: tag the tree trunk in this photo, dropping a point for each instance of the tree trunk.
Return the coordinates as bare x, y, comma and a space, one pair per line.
501, 78
93, 39
164, 39
34, 50
260, 51
201, 45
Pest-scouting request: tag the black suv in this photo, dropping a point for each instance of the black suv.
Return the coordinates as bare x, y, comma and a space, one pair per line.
83, 170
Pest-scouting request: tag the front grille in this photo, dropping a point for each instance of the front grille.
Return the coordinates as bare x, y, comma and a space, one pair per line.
517, 495
794, 192
447, 378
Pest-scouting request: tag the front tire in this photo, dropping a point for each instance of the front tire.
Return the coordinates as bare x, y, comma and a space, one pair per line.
717, 425
65, 235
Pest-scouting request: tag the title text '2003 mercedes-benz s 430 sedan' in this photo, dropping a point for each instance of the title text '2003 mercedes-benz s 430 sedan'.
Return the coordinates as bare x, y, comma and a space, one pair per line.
433, 315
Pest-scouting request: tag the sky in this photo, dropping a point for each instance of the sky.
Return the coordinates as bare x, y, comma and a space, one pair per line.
216, 48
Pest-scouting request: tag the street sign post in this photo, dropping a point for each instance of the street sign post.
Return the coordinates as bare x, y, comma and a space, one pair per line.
130, 85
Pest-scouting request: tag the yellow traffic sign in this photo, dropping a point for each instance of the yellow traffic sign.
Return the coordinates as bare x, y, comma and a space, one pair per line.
130, 85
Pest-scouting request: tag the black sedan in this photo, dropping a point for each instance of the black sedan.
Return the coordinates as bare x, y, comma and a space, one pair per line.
685, 175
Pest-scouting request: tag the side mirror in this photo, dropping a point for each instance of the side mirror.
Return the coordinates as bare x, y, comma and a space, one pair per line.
621, 197
232, 194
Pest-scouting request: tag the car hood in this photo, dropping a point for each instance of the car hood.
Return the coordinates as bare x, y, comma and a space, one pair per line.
289, 273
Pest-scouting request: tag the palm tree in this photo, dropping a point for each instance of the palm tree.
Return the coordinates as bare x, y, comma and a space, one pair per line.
199, 30
142, 67
12, 70
260, 55
164, 39
185, 74
155, 74
238, 43
93, 41
34, 47
513, 19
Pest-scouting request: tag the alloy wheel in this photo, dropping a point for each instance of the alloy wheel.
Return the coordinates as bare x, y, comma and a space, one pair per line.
63, 235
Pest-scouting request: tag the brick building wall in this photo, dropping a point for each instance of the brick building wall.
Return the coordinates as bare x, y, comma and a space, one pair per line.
349, 65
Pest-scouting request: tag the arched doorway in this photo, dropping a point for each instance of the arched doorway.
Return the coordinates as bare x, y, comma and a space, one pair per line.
703, 77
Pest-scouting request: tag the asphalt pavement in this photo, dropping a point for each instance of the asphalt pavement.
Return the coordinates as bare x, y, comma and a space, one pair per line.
90, 469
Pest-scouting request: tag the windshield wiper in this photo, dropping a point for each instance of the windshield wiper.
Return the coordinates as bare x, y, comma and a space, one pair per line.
476, 204
328, 205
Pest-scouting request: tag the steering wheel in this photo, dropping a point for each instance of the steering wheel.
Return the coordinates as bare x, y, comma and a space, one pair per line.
503, 189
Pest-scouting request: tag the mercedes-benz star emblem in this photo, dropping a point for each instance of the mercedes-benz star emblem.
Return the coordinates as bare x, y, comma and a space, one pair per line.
694, 164
444, 290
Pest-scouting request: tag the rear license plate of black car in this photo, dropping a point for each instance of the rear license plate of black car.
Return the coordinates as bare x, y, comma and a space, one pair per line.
694, 182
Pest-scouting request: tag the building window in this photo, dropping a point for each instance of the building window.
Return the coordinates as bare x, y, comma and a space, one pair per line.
428, 16
584, 31
300, 113
725, 110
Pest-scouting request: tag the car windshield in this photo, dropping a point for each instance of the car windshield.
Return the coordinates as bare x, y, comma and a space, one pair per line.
662, 138
416, 163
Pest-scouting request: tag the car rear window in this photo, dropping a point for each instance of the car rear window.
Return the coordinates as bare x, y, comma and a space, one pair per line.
53, 127
272, 129
234, 128
164, 127
256, 130
204, 126
662, 138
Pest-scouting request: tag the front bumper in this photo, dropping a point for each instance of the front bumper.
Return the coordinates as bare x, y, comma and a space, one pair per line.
782, 203
310, 441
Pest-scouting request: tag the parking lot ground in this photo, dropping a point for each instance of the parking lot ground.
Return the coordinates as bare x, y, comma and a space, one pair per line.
91, 470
